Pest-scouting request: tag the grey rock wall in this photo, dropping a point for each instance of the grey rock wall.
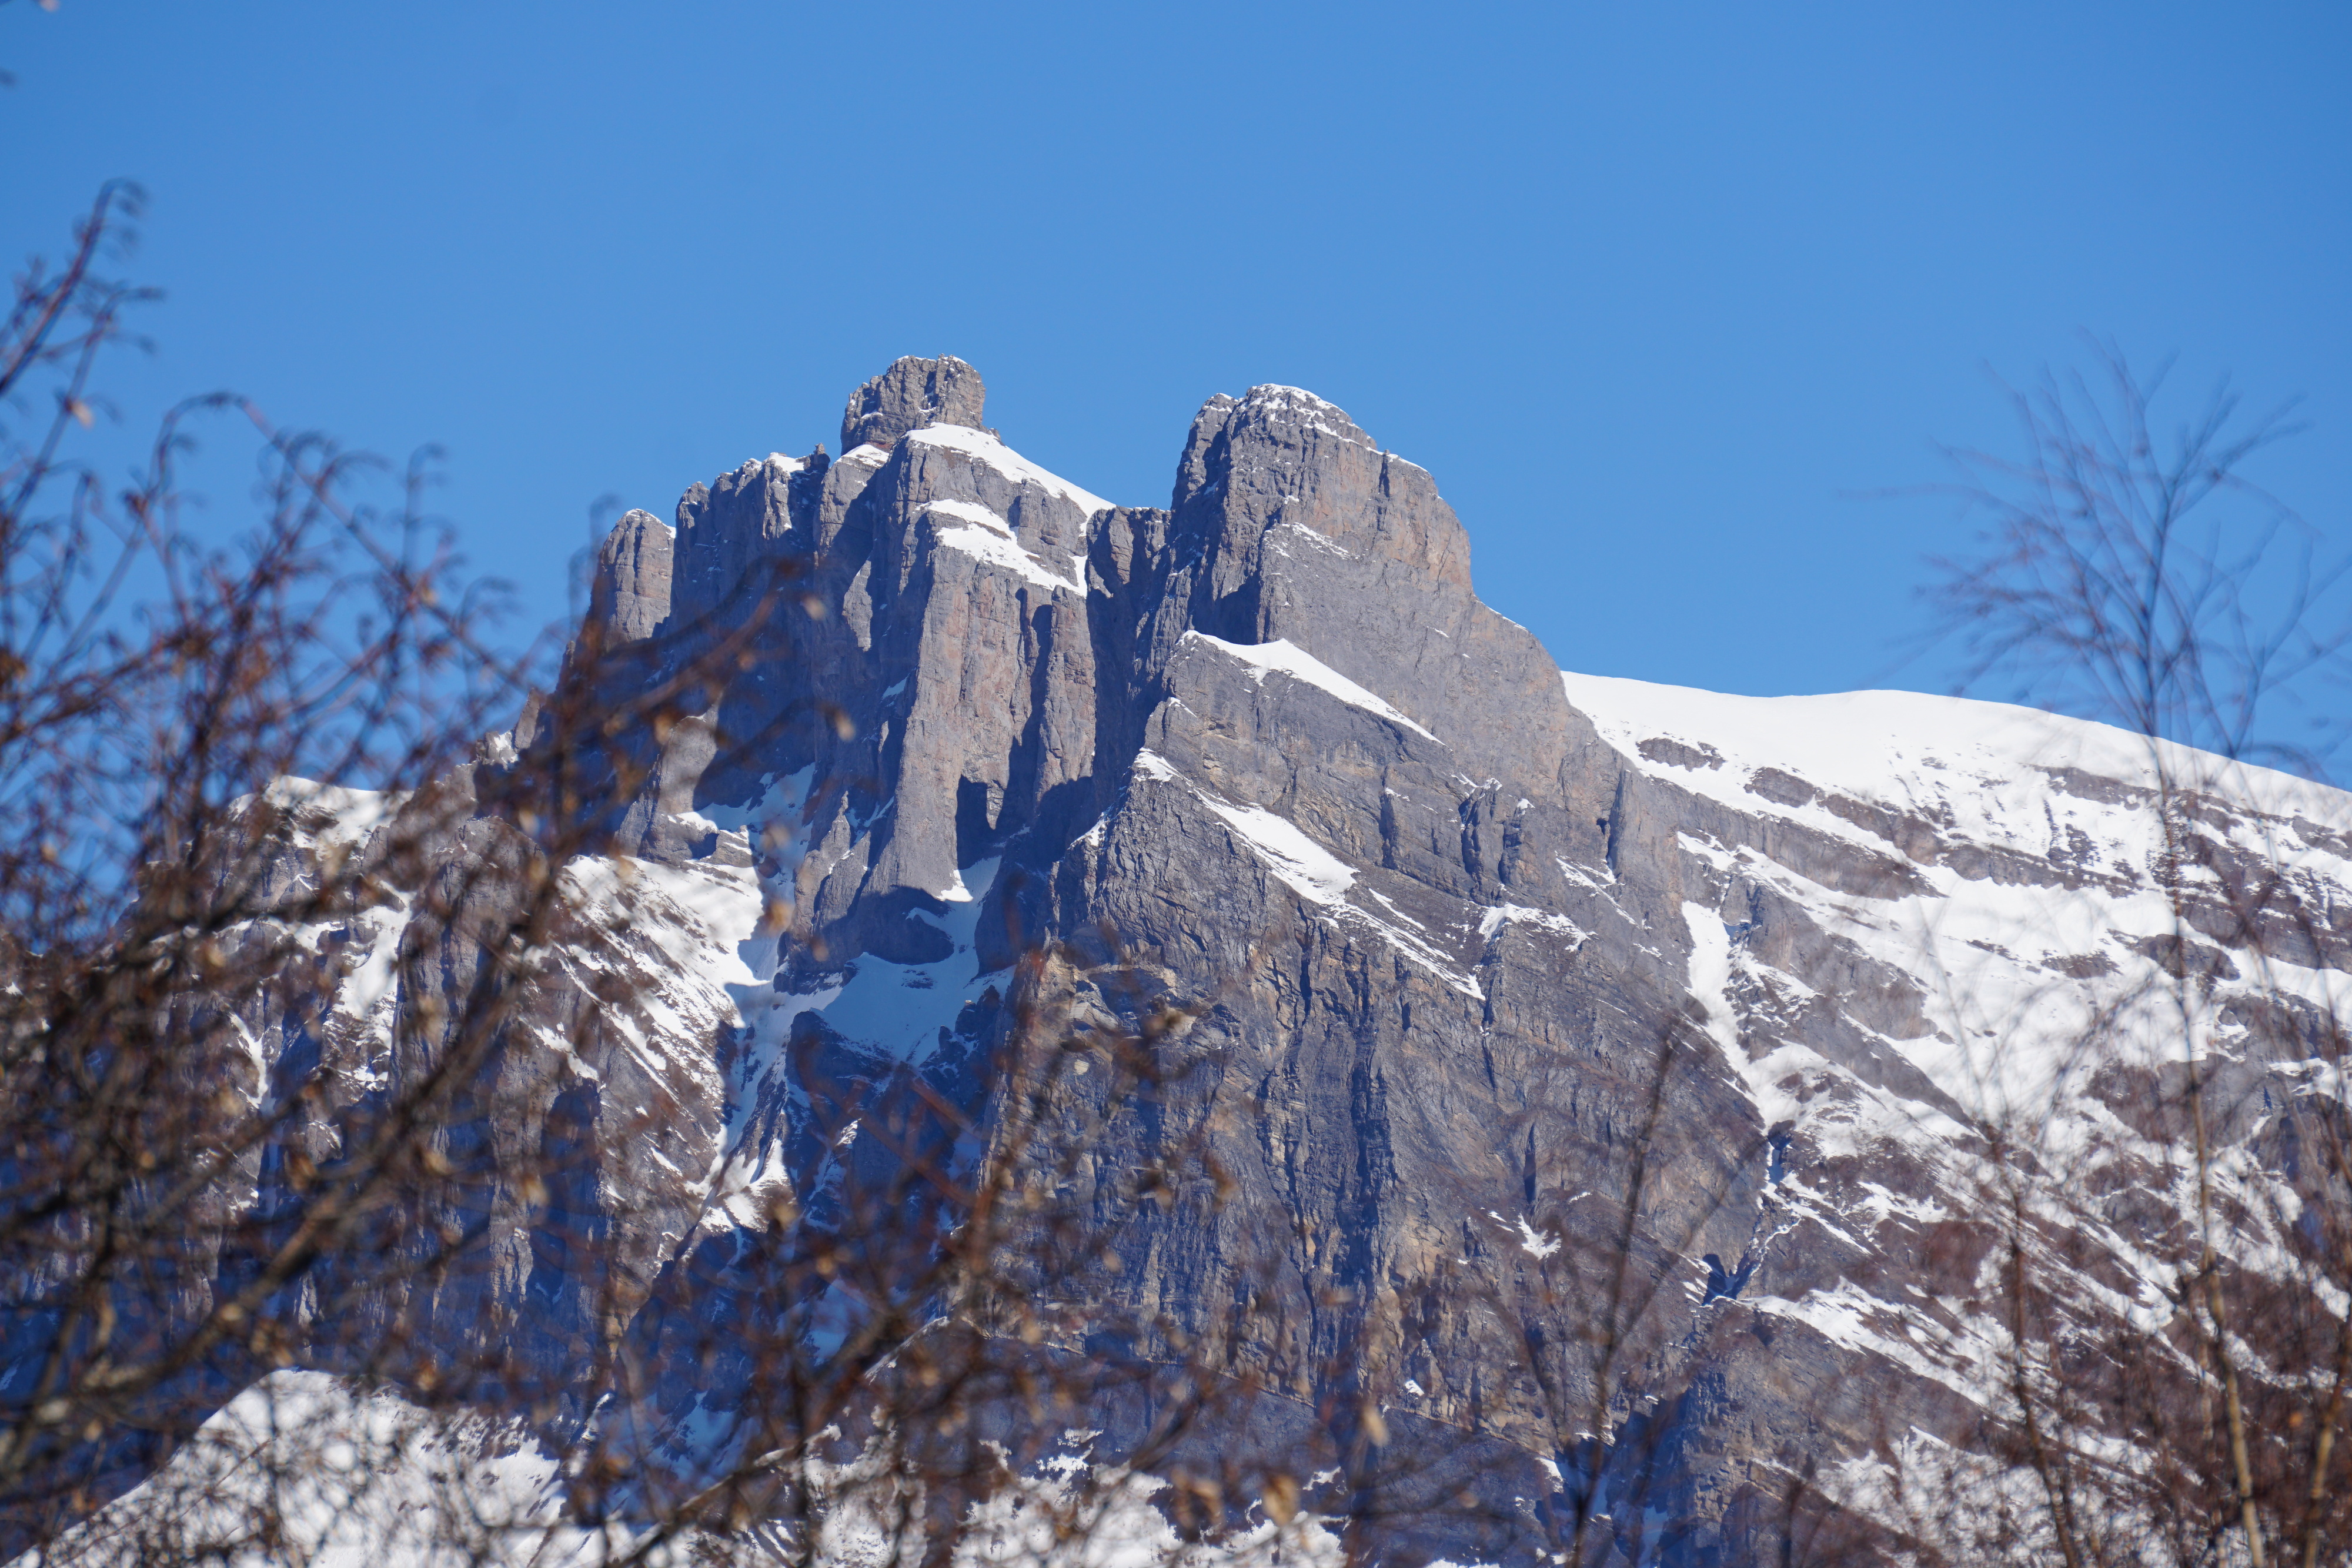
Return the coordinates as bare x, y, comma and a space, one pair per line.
911, 393
631, 593
1263, 755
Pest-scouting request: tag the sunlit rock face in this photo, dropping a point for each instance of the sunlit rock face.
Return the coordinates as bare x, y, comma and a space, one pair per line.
1481, 956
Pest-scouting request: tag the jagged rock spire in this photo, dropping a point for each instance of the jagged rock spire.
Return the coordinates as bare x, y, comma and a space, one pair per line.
630, 595
913, 392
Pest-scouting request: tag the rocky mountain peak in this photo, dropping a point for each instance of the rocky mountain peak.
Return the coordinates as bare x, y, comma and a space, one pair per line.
1282, 456
1499, 974
630, 594
912, 394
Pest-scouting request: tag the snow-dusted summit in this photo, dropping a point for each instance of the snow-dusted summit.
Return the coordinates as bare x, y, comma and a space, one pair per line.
1478, 956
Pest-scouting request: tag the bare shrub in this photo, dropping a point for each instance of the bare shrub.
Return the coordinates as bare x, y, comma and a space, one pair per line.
340, 1211
2187, 1408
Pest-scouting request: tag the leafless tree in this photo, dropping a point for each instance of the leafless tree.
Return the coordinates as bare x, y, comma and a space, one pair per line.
166, 696
2138, 575
301, 1077
2134, 573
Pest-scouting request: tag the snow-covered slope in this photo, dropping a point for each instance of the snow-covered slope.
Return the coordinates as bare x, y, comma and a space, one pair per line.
306, 1468
1964, 956
2036, 842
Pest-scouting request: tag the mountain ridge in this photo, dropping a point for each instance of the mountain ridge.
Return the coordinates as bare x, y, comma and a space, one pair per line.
1493, 978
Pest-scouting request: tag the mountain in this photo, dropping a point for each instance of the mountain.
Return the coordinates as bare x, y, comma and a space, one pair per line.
1574, 1110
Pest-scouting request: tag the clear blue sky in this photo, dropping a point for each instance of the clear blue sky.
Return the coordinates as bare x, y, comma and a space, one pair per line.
1650, 288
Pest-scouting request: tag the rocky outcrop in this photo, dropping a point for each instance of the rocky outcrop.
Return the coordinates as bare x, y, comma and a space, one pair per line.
630, 594
911, 395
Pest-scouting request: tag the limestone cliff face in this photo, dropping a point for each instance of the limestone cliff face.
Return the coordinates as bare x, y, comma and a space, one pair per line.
1483, 960
1483, 957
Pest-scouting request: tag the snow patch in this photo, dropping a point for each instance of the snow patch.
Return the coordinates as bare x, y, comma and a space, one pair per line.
328, 816
1501, 914
1305, 867
976, 531
902, 1008
300, 1467
1534, 1243
1300, 665
988, 449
